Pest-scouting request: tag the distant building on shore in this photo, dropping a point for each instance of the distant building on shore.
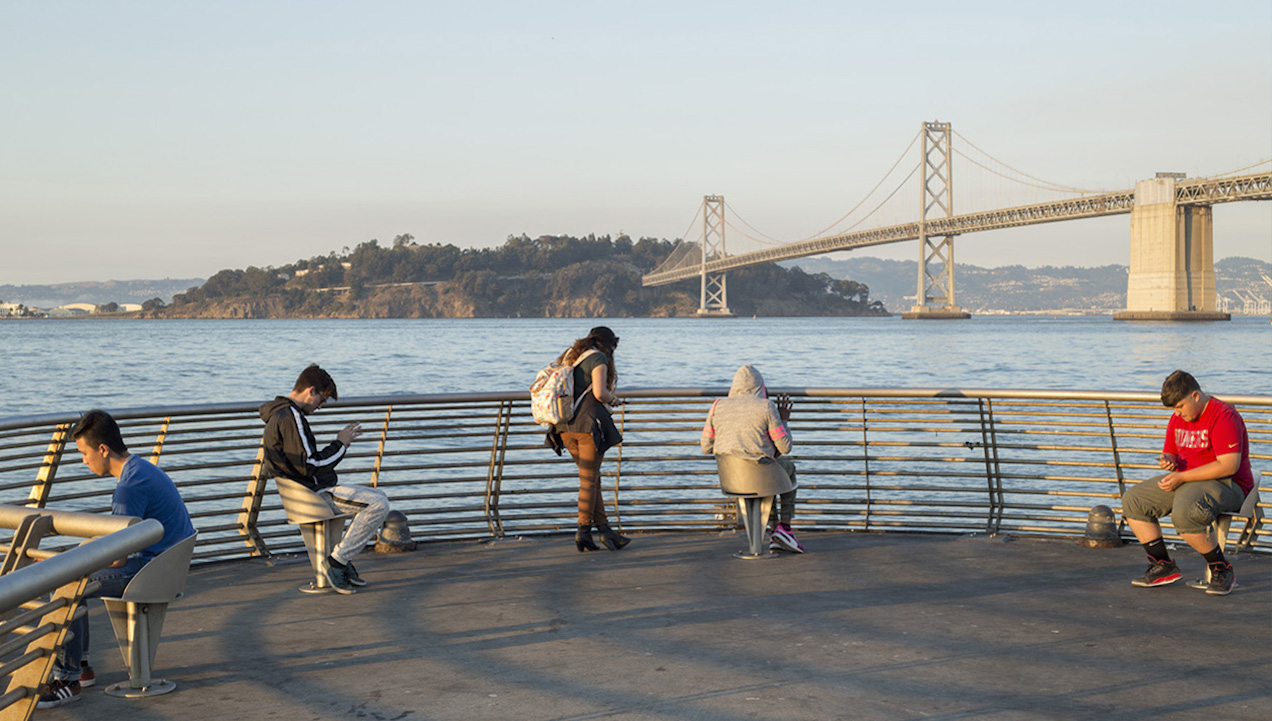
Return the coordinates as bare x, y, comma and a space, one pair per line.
72, 309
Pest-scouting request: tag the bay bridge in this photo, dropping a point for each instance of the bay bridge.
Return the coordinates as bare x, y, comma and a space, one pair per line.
1171, 250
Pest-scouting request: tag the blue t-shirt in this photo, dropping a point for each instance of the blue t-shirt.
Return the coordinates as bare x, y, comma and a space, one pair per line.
147, 492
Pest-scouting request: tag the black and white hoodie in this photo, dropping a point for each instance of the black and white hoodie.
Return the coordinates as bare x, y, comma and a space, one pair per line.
292, 452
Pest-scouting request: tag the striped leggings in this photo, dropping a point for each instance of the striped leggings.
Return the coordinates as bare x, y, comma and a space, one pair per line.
583, 450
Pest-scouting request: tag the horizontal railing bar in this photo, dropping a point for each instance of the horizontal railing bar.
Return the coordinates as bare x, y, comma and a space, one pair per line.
53, 419
40, 578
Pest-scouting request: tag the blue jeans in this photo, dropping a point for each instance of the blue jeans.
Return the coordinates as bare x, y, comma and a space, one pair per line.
114, 581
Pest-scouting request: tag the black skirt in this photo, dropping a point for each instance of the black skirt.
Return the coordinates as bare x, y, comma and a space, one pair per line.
592, 417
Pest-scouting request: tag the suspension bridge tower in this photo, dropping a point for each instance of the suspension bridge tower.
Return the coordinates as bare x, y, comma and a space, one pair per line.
935, 296
714, 299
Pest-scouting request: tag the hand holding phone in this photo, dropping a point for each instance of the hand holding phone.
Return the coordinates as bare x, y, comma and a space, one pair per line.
349, 432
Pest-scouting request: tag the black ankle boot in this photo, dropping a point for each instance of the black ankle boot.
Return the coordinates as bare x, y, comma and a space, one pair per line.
611, 538
583, 539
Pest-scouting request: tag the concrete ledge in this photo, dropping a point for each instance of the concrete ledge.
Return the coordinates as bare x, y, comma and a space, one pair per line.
1171, 315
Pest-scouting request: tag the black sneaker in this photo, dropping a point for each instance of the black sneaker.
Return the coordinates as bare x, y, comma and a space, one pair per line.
1159, 573
60, 693
87, 676
351, 574
1222, 579
337, 577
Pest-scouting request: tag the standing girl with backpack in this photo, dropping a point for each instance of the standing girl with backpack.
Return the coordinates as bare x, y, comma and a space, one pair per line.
592, 431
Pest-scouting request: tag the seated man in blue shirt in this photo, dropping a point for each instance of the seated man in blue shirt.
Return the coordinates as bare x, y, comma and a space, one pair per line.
143, 491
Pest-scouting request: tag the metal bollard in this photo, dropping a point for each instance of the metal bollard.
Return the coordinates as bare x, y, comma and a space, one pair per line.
1101, 529
395, 535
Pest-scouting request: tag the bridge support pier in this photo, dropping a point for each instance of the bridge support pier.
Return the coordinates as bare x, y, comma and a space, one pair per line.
1172, 271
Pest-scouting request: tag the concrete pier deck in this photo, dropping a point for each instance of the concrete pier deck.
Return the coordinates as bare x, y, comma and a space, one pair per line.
863, 626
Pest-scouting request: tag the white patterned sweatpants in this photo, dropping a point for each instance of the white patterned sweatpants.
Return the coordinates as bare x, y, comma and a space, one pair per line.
369, 506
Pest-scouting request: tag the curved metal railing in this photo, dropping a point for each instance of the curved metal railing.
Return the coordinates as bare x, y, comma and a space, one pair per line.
38, 601
463, 466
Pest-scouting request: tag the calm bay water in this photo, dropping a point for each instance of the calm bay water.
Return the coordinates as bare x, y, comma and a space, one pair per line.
72, 365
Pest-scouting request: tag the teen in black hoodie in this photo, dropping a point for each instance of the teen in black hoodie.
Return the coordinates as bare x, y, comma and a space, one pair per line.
292, 452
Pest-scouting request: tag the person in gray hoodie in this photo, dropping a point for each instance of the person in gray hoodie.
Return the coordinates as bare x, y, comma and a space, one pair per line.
750, 425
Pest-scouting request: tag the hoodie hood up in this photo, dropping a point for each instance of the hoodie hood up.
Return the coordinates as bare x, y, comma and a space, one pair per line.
748, 382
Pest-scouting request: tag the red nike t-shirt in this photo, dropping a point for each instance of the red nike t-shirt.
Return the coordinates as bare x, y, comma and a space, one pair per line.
1217, 432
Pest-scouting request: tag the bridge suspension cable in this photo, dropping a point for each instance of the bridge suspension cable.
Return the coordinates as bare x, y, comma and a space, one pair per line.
1045, 184
901, 185
771, 240
752, 238
1238, 170
751, 232
1042, 185
681, 250
827, 229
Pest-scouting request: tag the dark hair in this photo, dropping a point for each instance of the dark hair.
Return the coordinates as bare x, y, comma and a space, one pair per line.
1178, 386
97, 427
602, 339
319, 379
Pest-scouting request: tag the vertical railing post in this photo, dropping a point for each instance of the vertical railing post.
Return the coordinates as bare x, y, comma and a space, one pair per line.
989, 441
1117, 456
865, 452
160, 438
618, 466
26, 537
379, 453
250, 511
48, 469
1117, 462
494, 474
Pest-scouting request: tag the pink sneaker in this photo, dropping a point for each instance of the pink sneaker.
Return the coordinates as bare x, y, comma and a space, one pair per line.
783, 539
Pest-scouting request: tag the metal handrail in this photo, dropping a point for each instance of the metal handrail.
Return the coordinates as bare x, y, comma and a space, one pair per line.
1020, 461
24, 584
39, 601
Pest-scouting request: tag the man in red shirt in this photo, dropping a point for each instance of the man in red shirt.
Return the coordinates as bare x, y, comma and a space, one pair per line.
1207, 459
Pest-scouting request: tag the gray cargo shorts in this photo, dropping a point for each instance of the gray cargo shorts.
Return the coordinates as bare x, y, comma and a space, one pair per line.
1193, 506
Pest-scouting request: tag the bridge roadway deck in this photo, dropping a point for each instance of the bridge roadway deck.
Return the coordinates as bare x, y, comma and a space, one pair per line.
864, 626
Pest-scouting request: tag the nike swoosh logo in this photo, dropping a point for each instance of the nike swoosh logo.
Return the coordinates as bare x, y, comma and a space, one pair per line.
1232, 445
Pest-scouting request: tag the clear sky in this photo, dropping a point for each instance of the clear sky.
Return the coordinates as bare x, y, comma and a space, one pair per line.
174, 139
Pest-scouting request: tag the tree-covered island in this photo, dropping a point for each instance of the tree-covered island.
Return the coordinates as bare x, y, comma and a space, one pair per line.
552, 276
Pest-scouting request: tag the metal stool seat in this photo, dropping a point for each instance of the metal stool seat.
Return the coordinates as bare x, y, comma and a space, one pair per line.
137, 617
321, 525
753, 484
